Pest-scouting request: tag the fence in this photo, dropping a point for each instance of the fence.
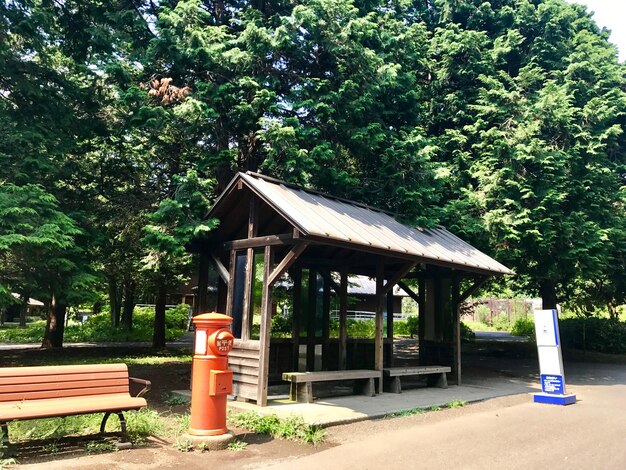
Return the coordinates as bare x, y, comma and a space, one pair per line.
487, 310
366, 315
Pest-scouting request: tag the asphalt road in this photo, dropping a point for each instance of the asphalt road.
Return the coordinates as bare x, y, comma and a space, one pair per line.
590, 434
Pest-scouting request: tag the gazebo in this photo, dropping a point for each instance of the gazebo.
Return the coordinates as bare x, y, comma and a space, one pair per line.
270, 229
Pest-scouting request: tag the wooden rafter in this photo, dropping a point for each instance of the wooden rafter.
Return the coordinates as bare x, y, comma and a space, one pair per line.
257, 242
221, 269
409, 291
473, 288
397, 277
287, 261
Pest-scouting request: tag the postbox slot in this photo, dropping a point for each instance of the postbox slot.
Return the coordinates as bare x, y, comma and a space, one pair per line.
221, 382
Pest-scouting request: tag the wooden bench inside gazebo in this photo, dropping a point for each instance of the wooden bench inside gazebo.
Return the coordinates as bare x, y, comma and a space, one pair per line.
273, 234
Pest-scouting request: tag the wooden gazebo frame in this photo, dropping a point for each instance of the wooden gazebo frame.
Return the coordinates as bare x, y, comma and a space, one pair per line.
301, 230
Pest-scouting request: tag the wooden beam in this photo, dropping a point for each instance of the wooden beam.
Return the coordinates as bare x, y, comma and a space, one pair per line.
221, 269
287, 261
248, 287
326, 324
343, 317
409, 291
310, 330
421, 323
471, 289
456, 319
258, 242
329, 278
380, 305
390, 327
397, 277
296, 317
266, 326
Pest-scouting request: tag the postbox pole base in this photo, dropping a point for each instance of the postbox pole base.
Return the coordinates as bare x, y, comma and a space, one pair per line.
212, 442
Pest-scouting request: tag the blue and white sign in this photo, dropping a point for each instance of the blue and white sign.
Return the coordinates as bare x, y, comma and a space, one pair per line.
550, 360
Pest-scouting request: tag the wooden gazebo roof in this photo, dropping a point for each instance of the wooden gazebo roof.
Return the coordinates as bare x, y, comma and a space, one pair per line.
325, 220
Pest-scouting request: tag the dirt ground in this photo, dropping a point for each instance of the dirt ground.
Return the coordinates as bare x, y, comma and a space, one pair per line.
261, 451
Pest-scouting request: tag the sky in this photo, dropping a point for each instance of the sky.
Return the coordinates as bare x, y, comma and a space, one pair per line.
612, 15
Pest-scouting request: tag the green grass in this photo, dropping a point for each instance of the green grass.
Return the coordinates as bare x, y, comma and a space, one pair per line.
237, 445
140, 424
292, 428
419, 411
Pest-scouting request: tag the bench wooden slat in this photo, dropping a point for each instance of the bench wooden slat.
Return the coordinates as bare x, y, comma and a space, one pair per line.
418, 370
53, 387
75, 392
36, 379
68, 406
56, 370
327, 376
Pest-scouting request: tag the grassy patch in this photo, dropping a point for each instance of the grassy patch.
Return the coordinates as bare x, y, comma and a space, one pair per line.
140, 424
237, 445
174, 399
455, 404
409, 412
292, 428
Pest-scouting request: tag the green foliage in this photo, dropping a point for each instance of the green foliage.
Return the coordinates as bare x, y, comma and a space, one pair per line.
171, 399
182, 444
97, 447
97, 328
466, 333
603, 335
237, 445
292, 428
140, 423
501, 322
524, 327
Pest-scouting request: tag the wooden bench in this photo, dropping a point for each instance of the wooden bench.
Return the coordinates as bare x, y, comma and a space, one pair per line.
58, 391
301, 389
392, 376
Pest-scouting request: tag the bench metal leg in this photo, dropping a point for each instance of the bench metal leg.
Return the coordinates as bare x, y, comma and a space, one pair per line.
365, 387
301, 392
120, 415
4, 434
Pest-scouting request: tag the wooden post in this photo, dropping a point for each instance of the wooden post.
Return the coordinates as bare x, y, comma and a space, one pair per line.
421, 326
310, 331
230, 293
203, 284
389, 360
266, 326
380, 305
297, 316
456, 319
248, 287
343, 319
325, 324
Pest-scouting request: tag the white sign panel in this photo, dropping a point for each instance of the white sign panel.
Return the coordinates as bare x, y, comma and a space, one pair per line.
200, 348
546, 328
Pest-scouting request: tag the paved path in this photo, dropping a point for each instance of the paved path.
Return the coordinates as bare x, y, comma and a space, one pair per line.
589, 434
499, 336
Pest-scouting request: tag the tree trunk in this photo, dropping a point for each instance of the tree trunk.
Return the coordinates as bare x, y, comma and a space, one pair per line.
24, 309
547, 289
114, 301
158, 338
612, 308
129, 305
55, 325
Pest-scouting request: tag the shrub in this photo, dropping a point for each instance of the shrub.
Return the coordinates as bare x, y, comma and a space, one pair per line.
594, 334
292, 428
466, 333
501, 322
524, 327
408, 327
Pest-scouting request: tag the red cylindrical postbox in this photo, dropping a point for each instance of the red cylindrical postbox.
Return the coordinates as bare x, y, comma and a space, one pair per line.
211, 379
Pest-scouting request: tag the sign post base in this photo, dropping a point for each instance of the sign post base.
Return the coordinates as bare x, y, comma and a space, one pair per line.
554, 399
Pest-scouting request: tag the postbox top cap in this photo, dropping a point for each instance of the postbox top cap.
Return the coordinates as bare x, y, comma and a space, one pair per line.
213, 318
